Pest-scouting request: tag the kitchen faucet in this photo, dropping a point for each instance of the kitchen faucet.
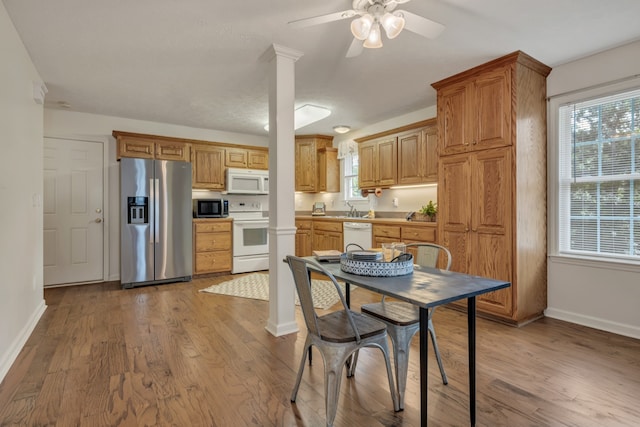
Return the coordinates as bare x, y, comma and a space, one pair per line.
353, 212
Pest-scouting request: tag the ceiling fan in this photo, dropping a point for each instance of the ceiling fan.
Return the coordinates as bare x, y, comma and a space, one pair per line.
374, 14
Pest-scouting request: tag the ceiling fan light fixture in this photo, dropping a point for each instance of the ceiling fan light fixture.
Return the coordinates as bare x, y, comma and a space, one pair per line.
392, 24
361, 27
374, 40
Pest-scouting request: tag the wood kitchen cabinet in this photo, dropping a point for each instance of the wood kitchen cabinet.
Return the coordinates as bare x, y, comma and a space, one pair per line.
248, 158
212, 245
492, 181
384, 234
151, 147
208, 166
377, 160
475, 113
401, 156
417, 155
317, 166
304, 238
327, 235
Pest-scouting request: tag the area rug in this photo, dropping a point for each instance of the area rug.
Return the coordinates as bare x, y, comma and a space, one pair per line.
256, 286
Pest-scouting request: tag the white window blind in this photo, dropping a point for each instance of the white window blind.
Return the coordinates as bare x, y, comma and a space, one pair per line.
599, 177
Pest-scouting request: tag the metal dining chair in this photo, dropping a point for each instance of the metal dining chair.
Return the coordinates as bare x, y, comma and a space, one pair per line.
403, 319
336, 335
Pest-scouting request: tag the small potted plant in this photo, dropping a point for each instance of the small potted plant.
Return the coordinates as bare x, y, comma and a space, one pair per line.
430, 210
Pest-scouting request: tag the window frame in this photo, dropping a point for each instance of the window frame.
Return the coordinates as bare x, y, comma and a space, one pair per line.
347, 163
556, 224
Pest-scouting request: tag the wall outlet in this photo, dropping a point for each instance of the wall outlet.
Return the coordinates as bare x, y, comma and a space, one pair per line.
395, 202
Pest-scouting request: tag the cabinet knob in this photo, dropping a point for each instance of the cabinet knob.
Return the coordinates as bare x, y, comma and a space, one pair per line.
474, 142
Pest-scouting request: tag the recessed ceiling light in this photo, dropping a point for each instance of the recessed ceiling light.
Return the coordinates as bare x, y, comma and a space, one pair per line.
341, 129
307, 114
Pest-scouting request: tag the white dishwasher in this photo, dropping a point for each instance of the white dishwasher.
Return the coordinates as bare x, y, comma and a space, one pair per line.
358, 233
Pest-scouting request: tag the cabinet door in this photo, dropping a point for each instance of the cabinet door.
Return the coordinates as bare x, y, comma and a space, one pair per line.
410, 158
303, 238
367, 165
258, 159
455, 205
303, 243
430, 154
208, 167
306, 174
418, 156
492, 110
179, 151
135, 147
492, 224
235, 158
452, 119
387, 162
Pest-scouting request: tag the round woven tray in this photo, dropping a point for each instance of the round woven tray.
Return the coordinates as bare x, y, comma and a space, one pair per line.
376, 268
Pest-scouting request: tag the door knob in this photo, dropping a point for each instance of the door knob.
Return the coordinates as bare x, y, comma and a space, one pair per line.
98, 210
98, 220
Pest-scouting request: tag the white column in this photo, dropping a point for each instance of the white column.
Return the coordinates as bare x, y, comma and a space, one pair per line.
282, 228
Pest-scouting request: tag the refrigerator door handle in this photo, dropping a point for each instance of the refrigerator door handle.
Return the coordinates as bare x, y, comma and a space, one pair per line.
156, 210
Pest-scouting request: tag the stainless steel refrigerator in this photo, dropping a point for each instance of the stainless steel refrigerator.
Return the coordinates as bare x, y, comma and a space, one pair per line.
155, 222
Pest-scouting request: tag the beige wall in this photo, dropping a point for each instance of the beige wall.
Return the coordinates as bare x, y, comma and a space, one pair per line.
21, 299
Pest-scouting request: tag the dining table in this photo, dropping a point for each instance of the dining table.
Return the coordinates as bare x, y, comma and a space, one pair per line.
428, 288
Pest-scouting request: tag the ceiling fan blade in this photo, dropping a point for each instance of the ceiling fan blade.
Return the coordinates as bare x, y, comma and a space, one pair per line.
322, 19
420, 25
355, 48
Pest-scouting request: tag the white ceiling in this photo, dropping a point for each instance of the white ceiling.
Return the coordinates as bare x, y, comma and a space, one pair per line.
196, 62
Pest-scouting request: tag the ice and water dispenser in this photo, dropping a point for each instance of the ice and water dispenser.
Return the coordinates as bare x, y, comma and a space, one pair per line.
138, 210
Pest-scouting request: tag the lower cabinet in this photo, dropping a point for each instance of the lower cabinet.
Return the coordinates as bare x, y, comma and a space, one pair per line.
385, 234
212, 246
327, 235
404, 233
303, 237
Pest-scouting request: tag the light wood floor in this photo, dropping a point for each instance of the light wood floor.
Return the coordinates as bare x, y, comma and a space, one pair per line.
170, 355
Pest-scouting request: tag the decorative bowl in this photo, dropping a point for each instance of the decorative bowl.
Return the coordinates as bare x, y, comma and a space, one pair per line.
377, 268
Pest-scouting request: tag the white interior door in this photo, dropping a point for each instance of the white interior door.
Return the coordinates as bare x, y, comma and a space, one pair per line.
73, 211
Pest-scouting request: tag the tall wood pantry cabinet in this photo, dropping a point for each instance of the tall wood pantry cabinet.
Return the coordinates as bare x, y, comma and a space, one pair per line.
492, 181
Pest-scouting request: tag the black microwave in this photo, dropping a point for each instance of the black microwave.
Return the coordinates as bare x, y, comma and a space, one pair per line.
210, 208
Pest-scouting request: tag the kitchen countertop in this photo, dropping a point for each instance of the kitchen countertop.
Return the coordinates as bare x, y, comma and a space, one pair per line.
389, 221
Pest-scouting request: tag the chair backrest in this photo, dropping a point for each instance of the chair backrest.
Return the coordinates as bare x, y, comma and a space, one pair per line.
427, 254
302, 278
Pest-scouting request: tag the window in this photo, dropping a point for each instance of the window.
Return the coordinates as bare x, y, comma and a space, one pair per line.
599, 177
351, 189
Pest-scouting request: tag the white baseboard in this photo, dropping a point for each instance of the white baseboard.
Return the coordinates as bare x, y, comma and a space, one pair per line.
10, 356
281, 329
594, 322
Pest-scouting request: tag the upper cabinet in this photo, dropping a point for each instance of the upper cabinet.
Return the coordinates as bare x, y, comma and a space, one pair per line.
317, 167
417, 155
401, 156
492, 181
150, 147
377, 162
247, 158
208, 167
475, 114
209, 159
